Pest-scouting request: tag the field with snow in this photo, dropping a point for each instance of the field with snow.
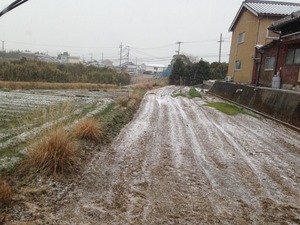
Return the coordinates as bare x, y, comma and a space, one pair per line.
25, 115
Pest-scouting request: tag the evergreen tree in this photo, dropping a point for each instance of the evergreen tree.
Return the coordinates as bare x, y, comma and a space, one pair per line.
218, 70
177, 72
201, 72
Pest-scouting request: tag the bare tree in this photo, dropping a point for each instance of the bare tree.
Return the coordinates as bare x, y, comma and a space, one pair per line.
193, 59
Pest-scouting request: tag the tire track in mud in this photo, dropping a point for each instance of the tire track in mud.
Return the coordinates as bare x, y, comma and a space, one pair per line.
180, 162
272, 159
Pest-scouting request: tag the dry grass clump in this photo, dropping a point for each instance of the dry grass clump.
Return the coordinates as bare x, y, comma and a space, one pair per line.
56, 154
130, 100
145, 86
135, 96
5, 193
89, 129
122, 101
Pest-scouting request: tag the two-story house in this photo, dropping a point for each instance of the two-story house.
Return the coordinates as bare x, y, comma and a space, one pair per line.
249, 32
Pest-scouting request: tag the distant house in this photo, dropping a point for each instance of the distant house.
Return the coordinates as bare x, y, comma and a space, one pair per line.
28, 55
47, 58
152, 68
66, 58
249, 31
73, 59
95, 63
108, 63
282, 57
128, 67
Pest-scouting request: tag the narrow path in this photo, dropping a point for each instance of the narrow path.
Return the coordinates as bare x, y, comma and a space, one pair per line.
180, 162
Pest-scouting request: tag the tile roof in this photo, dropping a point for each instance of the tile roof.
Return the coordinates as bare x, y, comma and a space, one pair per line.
272, 8
266, 8
276, 25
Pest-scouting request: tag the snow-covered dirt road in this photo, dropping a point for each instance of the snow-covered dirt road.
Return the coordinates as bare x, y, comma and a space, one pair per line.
181, 162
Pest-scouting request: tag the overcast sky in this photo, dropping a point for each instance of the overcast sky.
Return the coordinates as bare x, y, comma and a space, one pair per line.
90, 28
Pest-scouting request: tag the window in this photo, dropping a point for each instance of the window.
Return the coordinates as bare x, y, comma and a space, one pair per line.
293, 56
238, 65
270, 63
297, 56
241, 38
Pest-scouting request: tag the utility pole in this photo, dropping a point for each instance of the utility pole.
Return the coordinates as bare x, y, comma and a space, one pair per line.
2, 46
121, 47
102, 57
179, 43
128, 51
220, 48
136, 66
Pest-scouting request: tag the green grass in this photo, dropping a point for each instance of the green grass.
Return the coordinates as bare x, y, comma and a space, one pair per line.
228, 108
179, 94
4, 89
194, 93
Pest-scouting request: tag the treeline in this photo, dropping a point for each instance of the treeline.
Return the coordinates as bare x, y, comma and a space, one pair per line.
37, 71
10, 54
195, 73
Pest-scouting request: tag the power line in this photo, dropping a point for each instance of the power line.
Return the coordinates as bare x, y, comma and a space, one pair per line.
13, 5
153, 48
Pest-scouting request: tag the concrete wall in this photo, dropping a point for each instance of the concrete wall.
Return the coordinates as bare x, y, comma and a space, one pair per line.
280, 104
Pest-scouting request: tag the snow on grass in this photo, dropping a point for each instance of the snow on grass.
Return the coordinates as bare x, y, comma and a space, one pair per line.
25, 115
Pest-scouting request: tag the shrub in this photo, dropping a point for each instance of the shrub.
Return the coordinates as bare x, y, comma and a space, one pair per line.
89, 129
57, 154
5, 89
5, 193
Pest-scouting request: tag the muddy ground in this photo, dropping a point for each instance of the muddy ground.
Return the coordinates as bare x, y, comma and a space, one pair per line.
181, 162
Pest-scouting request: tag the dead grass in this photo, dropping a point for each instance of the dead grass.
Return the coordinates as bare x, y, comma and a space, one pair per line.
5, 193
132, 99
89, 129
135, 96
45, 85
122, 101
56, 154
144, 86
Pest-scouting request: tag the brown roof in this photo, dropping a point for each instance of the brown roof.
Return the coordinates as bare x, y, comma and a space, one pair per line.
292, 18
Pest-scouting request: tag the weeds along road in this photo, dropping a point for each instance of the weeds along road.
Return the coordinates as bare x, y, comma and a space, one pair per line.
180, 162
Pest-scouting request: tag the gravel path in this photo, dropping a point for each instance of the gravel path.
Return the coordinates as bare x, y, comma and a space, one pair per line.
180, 162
